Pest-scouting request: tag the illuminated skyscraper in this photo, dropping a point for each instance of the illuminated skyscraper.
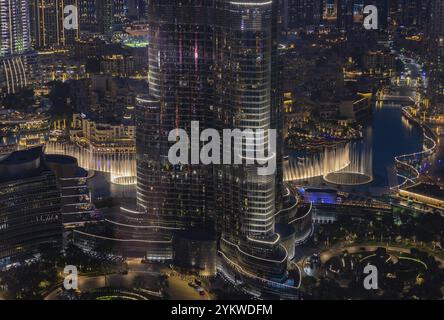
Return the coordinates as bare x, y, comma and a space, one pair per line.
180, 60
14, 24
89, 15
302, 13
330, 12
436, 53
215, 62
47, 24
15, 45
247, 97
112, 14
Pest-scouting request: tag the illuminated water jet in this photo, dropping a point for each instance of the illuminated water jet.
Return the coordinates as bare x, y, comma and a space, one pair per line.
121, 166
358, 172
332, 159
345, 164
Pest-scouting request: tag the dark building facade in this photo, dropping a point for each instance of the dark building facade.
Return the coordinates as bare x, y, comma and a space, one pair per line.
180, 58
77, 209
89, 16
303, 13
112, 14
47, 24
413, 13
436, 53
30, 206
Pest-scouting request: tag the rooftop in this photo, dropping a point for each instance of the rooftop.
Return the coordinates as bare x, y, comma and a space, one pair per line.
428, 190
23, 156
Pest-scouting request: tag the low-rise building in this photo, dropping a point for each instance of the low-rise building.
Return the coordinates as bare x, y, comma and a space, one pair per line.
427, 194
379, 63
103, 137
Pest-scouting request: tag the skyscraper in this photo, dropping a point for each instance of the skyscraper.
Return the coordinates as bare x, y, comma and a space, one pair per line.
47, 24
330, 8
137, 9
89, 15
412, 13
215, 63
15, 45
436, 53
247, 98
345, 14
302, 13
180, 61
14, 27
112, 14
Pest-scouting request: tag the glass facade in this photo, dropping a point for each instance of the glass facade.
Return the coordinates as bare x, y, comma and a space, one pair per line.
47, 24
180, 79
246, 99
15, 46
14, 27
214, 62
30, 206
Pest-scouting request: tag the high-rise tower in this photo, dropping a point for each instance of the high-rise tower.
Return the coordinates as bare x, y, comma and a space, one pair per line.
15, 45
435, 34
176, 197
47, 24
303, 13
14, 24
89, 15
247, 98
112, 14
215, 62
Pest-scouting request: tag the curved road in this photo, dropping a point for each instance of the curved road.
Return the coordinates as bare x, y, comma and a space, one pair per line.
178, 288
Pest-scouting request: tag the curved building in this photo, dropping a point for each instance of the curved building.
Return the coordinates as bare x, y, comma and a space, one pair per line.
30, 206
77, 207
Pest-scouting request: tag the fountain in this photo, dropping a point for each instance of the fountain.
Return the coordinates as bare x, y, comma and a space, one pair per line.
332, 159
121, 166
358, 172
344, 164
